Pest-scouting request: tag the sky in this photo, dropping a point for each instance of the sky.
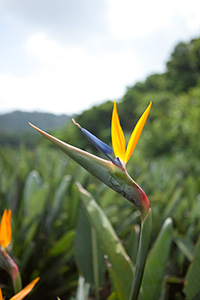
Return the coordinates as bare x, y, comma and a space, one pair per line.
65, 56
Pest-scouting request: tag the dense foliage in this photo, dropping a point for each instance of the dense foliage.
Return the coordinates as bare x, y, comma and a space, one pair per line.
53, 234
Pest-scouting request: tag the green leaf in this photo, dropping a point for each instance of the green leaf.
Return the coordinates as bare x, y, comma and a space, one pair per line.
84, 250
119, 264
73, 206
35, 196
186, 246
170, 209
192, 287
32, 184
64, 244
156, 263
58, 201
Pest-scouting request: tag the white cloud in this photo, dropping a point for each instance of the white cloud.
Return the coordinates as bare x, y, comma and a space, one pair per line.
139, 19
190, 11
133, 19
69, 79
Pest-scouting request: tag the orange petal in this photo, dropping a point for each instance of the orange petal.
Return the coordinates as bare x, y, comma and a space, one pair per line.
5, 229
23, 293
118, 139
136, 133
1, 296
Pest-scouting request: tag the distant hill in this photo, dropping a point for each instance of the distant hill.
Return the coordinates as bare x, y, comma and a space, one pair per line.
15, 130
17, 121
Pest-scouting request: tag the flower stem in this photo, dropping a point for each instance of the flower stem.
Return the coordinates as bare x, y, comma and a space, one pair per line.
17, 283
8, 264
141, 256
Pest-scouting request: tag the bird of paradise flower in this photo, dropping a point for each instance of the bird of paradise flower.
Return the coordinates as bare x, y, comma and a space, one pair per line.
7, 262
24, 292
113, 173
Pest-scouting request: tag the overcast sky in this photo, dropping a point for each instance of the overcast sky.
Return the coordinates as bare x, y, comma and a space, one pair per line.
63, 56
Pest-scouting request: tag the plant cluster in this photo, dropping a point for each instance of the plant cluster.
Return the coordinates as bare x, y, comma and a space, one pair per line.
82, 238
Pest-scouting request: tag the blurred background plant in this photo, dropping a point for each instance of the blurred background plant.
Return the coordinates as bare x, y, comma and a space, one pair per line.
53, 233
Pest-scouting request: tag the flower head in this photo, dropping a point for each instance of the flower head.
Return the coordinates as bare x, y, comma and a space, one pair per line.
112, 172
122, 153
5, 229
23, 293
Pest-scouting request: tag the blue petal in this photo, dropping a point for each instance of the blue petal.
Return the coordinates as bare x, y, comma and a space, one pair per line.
97, 142
101, 146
